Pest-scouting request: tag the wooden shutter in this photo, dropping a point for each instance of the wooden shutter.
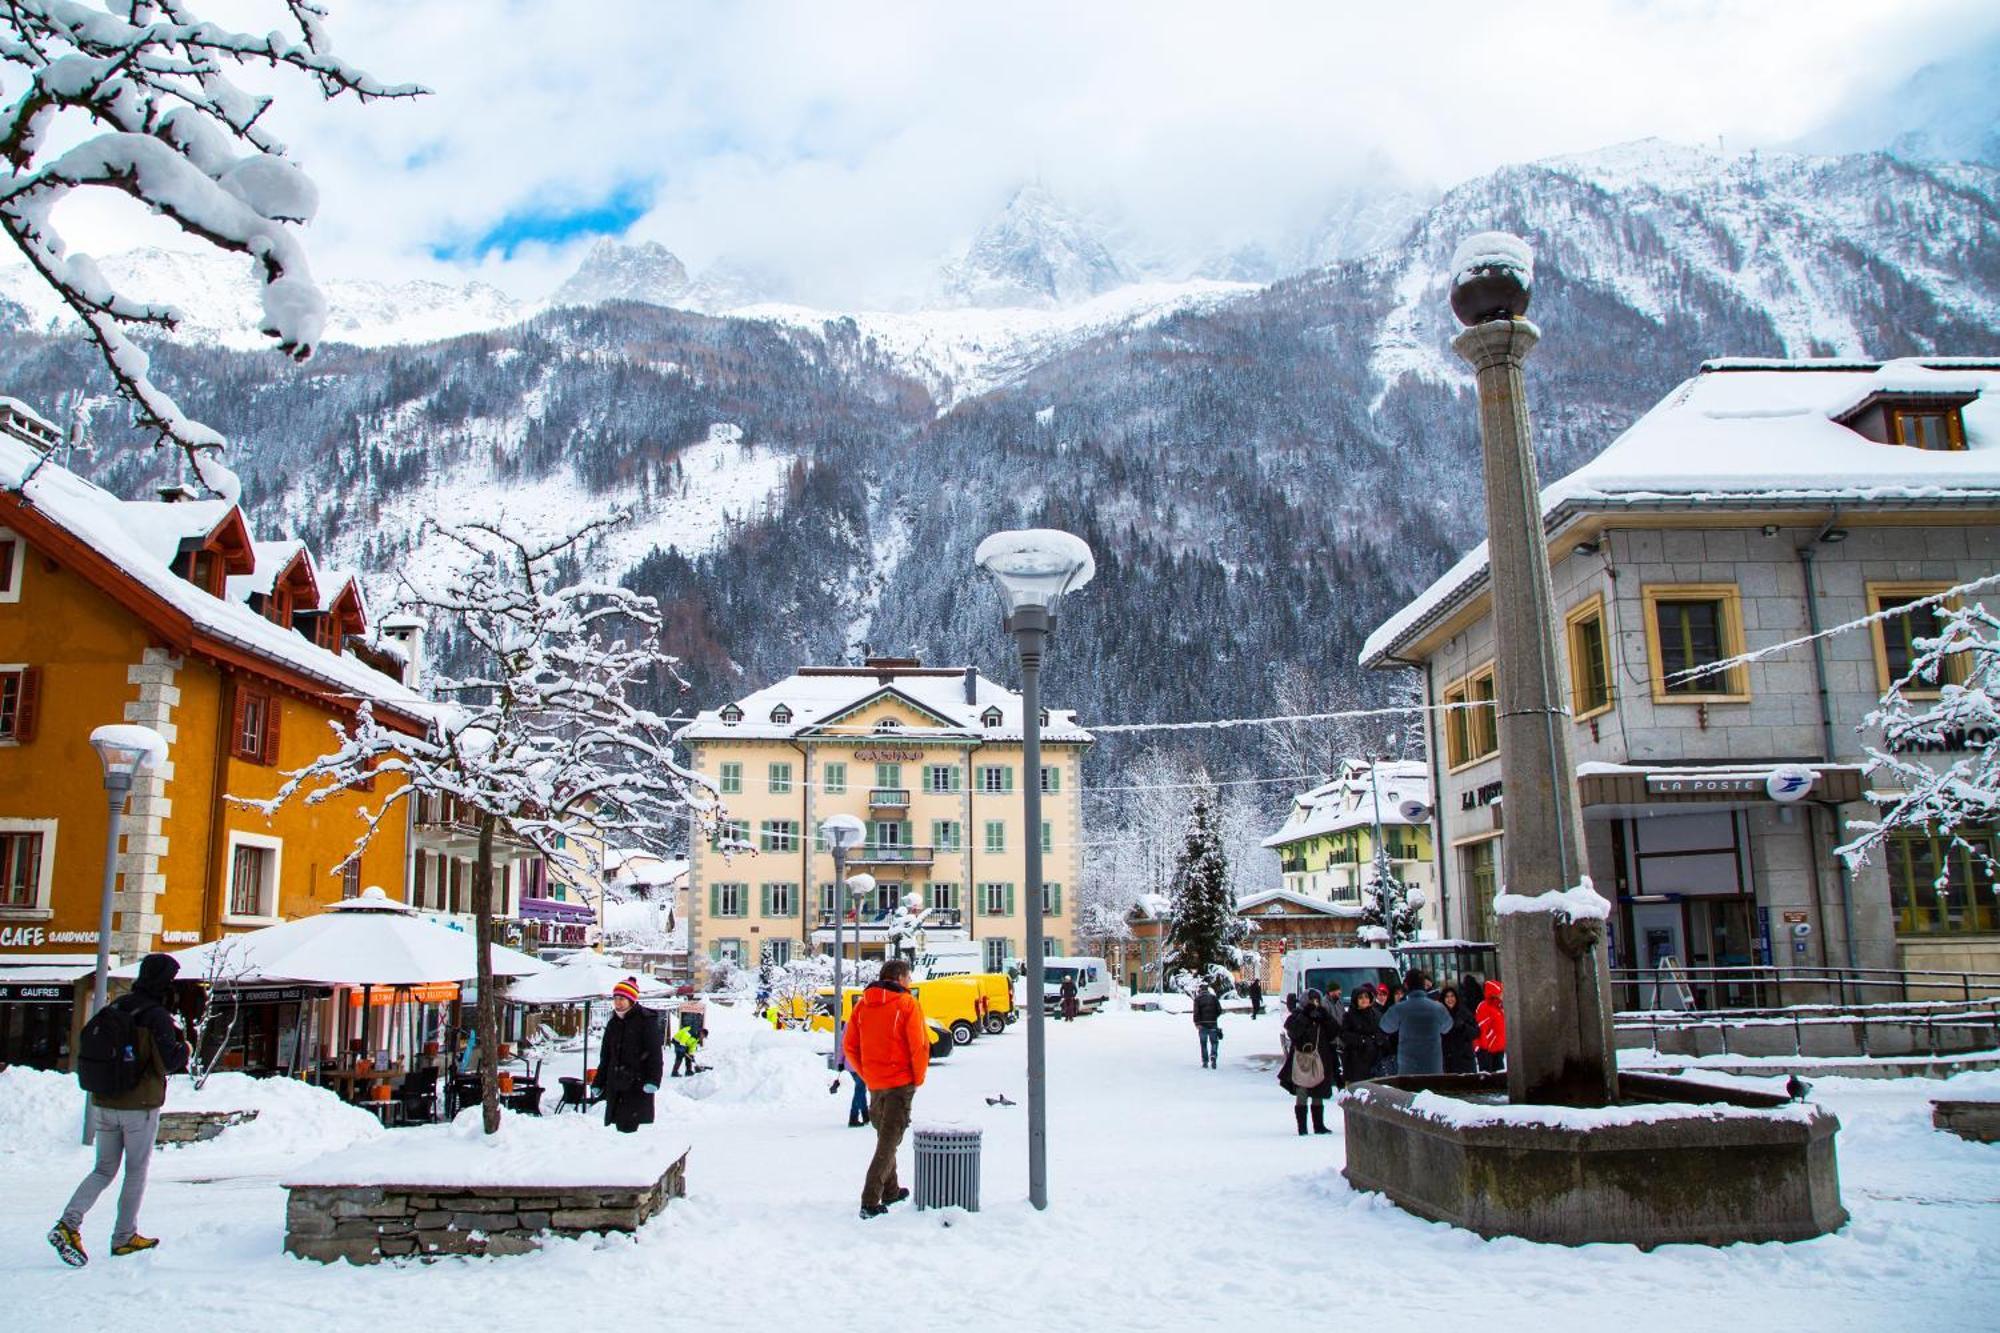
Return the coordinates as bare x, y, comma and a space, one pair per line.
271, 711
28, 705
715, 900
764, 899
1010, 900
240, 700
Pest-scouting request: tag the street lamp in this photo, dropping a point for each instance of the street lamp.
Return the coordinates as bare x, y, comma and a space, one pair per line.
1034, 568
125, 751
843, 833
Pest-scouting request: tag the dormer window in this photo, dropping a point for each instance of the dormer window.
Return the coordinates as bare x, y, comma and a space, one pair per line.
990, 718
731, 714
1930, 426
781, 715
1045, 717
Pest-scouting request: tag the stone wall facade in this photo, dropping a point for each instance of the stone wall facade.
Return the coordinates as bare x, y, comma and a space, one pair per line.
365, 1224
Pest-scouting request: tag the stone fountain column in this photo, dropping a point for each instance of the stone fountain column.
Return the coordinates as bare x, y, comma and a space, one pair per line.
1559, 1045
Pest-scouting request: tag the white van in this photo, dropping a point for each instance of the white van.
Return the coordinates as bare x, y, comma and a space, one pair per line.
1317, 969
1091, 975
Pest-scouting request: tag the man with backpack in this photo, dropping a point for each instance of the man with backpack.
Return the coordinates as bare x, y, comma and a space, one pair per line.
129, 1047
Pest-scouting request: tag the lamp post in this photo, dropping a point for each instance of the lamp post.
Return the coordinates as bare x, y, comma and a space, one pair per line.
1034, 568
125, 751
843, 833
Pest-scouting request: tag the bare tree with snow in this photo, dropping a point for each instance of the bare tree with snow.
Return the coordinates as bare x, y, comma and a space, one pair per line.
539, 739
135, 96
1946, 702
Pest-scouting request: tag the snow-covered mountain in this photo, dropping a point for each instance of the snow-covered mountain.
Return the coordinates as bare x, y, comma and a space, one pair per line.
218, 298
1036, 253
616, 271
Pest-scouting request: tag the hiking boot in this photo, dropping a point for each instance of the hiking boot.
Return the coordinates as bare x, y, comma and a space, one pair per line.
68, 1244
137, 1244
873, 1210
897, 1197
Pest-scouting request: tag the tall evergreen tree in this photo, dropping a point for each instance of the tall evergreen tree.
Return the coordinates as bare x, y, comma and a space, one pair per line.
1204, 931
1390, 909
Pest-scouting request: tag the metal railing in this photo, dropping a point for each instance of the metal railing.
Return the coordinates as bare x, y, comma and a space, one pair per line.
888, 798
888, 853
1656, 990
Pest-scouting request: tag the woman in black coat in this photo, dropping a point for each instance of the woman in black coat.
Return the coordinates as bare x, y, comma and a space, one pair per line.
1458, 1037
629, 1063
1361, 1042
1310, 1027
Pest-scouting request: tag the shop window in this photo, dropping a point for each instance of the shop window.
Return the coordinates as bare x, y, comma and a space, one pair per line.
836, 779
20, 703
1471, 726
1589, 661
253, 877
1690, 627
255, 734
1897, 637
1943, 885
27, 853
13, 553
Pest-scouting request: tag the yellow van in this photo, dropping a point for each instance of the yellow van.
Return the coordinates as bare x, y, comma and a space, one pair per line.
942, 1041
998, 988
957, 1002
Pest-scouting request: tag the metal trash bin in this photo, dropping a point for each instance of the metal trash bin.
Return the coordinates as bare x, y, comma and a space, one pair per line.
947, 1168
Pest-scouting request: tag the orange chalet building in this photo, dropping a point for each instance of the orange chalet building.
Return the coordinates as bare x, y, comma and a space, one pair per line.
239, 653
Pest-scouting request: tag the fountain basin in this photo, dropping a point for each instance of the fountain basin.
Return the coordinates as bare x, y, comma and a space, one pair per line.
1675, 1161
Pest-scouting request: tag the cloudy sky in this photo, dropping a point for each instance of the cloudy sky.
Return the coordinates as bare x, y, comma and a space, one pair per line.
846, 146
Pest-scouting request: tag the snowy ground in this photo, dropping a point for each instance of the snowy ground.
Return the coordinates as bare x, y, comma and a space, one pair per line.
1181, 1199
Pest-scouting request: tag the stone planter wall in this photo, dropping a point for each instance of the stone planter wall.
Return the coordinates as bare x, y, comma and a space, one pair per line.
198, 1126
368, 1223
1975, 1120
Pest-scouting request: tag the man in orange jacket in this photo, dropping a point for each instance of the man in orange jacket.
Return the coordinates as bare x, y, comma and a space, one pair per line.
890, 1044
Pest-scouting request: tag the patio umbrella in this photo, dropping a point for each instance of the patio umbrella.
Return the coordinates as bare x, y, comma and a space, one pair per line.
366, 941
583, 978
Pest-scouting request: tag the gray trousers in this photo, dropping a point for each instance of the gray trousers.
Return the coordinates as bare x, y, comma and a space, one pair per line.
120, 1134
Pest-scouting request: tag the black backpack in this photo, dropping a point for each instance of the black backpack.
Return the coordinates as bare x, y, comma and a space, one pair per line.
107, 1059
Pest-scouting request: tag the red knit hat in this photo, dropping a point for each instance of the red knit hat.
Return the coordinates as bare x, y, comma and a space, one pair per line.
629, 988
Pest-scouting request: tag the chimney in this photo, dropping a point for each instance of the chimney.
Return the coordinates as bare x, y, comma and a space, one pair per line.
407, 633
177, 492
972, 684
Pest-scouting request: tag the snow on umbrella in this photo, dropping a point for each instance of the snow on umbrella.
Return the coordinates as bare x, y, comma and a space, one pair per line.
365, 941
580, 978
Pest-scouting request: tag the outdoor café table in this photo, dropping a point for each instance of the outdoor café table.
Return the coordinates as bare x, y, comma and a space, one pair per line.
350, 1081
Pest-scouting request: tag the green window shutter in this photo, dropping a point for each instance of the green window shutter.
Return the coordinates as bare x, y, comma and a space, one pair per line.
1010, 900
1048, 837
1052, 899
764, 899
1007, 778
715, 900
1051, 778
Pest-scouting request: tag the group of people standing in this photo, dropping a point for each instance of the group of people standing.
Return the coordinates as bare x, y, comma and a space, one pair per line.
1395, 1028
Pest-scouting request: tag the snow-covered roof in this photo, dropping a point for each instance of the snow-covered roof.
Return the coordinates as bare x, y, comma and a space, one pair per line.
142, 538
1349, 800
273, 558
817, 698
1765, 436
1318, 905
629, 866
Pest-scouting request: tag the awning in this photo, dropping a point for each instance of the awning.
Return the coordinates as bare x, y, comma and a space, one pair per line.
555, 909
41, 983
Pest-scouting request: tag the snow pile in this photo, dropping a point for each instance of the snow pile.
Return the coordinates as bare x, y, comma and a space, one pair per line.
40, 1110
553, 1151
1580, 902
1487, 250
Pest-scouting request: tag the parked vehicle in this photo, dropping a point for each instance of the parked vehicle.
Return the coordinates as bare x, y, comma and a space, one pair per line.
942, 1041
957, 1002
1091, 975
1318, 969
1001, 1011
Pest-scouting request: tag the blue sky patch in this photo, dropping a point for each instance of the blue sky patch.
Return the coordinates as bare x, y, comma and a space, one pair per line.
553, 223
